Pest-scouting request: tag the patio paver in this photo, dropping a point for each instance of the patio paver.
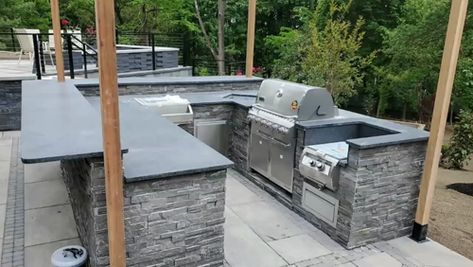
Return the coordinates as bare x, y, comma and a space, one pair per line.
44, 225
40, 255
299, 248
46, 193
382, 259
244, 248
42, 172
267, 221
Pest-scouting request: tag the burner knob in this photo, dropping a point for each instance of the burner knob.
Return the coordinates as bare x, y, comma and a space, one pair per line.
320, 166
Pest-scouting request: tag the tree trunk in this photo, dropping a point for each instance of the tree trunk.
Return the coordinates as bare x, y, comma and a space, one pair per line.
380, 104
404, 112
221, 37
451, 112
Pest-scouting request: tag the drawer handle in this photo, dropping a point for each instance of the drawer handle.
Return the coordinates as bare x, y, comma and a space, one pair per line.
281, 142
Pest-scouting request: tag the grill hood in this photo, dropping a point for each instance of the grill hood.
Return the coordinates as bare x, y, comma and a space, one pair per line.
298, 101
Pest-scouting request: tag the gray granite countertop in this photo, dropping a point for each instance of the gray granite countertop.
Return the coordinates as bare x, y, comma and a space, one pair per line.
157, 147
57, 123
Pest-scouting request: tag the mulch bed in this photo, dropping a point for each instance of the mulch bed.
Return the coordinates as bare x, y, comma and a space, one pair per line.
463, 188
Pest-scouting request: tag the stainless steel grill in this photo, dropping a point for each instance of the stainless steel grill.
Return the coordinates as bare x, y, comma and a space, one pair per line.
279, 106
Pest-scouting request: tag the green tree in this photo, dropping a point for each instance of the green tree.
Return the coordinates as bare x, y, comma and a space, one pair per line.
333, 59
414, 51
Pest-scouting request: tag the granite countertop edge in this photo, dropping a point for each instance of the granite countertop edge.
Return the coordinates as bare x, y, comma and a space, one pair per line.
176, 174
170, 80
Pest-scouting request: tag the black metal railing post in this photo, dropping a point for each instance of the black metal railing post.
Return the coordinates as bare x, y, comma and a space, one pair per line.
116, 36
41, 54
186, 47
71, 58
84, 58
36, 56
12, 34
153, 54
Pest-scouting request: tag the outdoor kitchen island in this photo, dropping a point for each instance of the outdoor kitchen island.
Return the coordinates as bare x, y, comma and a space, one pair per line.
176, 217
174, 188
371, 194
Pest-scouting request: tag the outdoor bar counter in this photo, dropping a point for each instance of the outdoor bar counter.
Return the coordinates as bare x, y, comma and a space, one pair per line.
174, 188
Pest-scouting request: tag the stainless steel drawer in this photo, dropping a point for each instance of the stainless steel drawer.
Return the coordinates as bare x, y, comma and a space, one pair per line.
322, 205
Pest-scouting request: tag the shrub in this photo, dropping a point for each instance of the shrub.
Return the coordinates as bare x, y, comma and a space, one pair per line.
460, 148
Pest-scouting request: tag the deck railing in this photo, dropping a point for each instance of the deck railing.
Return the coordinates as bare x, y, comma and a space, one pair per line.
85, 44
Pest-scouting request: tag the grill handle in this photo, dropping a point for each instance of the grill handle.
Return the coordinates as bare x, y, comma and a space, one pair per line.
264, 135
279, 142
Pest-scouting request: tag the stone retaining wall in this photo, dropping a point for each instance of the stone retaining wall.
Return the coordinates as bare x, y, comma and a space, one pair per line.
10, 105
176, 221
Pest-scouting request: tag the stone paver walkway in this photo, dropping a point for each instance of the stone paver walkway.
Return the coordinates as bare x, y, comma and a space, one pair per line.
259, 231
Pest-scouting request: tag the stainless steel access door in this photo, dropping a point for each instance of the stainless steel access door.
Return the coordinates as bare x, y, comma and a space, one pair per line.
282, 163
272, 155
259, 151
214, 133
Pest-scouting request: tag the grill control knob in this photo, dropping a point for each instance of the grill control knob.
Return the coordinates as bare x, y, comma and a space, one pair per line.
320, 166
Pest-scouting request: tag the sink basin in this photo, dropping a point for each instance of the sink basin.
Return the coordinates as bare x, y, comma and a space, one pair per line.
346, 131
245, 97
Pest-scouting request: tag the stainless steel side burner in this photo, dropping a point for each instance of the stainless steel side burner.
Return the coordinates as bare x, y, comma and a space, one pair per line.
321, 163
279, 106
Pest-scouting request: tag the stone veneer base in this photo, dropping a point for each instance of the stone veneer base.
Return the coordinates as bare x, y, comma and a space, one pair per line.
168, 222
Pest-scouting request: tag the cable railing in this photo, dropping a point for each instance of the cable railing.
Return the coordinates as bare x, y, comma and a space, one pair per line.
80, 50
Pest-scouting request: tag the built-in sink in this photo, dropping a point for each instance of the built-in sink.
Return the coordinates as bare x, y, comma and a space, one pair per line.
172, 107
343, 132
245, 97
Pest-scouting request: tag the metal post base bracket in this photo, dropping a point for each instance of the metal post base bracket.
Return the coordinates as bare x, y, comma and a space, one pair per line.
419, 232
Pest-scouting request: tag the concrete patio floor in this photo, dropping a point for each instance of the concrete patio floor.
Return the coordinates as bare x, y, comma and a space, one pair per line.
36, 218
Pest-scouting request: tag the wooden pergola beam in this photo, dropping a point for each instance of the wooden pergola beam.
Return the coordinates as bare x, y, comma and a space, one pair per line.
105, 20
250, 38
55, 18
442, 102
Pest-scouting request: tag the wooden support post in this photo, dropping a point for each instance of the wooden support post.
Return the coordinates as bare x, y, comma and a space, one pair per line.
57, 40
105, 20
439, 119
250, 38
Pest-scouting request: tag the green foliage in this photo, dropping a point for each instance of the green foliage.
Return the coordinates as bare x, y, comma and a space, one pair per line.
24, 14
463, 93
289, 45
322, 52
333, 60
413, 51
460, 148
